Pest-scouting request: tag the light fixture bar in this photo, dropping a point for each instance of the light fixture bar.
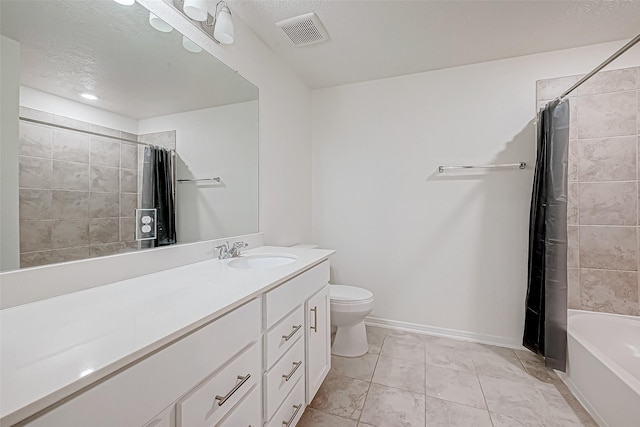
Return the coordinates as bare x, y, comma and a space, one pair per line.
209, 25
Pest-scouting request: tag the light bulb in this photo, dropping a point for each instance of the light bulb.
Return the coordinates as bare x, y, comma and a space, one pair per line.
159, 24
190, 45
196, 9
223, 31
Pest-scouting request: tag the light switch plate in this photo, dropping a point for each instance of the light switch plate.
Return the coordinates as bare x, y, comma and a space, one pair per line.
146, 226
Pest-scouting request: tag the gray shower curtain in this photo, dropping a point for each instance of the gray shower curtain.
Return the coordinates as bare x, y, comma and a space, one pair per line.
158, 192
545, 329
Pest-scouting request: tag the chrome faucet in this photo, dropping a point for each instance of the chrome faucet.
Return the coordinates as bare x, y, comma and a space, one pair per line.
227, 251
235, 249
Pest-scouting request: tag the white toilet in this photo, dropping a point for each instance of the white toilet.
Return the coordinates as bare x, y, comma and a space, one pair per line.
349, 306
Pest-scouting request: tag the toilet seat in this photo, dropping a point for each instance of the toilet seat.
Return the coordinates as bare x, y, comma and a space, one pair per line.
347, 295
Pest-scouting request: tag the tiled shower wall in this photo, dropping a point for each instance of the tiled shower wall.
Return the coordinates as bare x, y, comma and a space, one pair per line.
603, 259
78, 192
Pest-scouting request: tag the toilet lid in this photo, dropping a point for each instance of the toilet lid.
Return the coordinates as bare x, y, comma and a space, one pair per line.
348, 293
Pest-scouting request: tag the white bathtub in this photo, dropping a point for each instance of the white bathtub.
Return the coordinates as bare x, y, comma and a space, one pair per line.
603, 366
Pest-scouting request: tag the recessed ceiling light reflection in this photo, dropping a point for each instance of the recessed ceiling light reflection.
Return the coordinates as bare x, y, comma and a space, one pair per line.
89, 96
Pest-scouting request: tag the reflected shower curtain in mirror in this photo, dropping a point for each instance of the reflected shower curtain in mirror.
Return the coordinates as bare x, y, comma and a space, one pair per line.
158, 192
545, 328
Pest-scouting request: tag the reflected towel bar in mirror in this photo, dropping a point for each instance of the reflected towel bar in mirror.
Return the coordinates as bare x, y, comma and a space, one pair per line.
216, 179
520, 165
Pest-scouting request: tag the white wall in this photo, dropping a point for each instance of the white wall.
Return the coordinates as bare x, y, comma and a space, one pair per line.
9, 95
442, 251
43, 101
285, 127
219, 141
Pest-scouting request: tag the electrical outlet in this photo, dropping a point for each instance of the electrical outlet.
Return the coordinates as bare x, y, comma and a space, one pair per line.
146, 226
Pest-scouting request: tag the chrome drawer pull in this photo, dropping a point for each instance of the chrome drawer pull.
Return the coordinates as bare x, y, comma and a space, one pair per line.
293, 417
315, 319
295, 368
226, 397
295, 329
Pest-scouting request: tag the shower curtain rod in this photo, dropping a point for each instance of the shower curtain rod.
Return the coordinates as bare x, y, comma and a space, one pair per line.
41, 122
606, 62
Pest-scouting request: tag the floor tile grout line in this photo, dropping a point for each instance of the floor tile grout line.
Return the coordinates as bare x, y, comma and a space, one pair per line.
485, 400
366, 395
458, 403
475, 374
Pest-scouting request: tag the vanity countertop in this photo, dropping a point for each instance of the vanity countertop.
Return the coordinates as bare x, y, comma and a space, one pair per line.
53, 348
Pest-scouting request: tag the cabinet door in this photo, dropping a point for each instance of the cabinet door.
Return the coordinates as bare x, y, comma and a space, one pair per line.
318, 341
165, 419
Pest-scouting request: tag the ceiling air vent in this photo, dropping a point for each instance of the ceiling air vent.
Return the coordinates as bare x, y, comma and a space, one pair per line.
304, 30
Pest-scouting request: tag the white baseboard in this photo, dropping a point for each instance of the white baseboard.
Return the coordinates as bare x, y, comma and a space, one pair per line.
583, 400
444, 332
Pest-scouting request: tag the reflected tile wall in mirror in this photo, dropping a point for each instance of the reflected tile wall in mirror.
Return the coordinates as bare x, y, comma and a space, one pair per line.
78, 192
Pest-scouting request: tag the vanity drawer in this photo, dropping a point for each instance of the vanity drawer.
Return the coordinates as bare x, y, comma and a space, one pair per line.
209, 402
282, 337
279, 381
280, 301
291, 410
247, 413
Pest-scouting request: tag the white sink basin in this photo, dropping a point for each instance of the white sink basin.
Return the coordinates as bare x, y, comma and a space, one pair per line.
261, 261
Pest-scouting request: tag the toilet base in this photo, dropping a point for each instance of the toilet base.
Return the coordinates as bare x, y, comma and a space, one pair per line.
350, 341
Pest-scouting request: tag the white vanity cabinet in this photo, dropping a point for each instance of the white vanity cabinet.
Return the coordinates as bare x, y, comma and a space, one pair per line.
258, 365
297, 352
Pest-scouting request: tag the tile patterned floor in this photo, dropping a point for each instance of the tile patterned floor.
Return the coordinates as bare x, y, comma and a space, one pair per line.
410, 380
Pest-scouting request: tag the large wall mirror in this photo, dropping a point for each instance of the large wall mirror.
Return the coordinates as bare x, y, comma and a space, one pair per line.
116, 115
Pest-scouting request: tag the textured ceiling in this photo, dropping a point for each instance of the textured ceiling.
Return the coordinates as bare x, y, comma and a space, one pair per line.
378, 39
70, 46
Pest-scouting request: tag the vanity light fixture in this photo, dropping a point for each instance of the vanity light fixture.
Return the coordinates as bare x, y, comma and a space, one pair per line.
223, 24
188, 44
218, 25
196, 9
89, 96
159, 24
125, 2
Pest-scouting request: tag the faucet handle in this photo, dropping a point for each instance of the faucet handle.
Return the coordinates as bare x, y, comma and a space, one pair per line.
235, 250
223, 250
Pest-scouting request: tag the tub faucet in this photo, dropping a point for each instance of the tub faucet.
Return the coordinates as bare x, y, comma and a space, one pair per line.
227, 251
